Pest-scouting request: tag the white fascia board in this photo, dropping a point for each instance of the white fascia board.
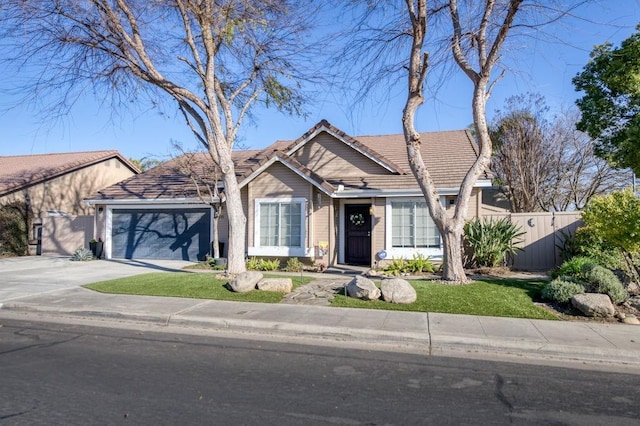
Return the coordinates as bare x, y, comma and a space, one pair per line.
340, 138
142, 202
483, 183
367, 193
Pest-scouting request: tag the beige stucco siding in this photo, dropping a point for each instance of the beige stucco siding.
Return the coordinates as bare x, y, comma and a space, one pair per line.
67, 192
329, 157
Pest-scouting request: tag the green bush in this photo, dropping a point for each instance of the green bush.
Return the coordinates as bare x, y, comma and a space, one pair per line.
396, 267
562, 289
294, 265
269, 265
584, 242
419, 264
13, 233
82, 254
492, 240
576, 267
253, 264
604, 281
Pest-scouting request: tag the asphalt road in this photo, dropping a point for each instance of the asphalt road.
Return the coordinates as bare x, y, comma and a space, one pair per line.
66, 374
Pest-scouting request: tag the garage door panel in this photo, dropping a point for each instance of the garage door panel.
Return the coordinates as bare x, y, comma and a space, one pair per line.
161, 234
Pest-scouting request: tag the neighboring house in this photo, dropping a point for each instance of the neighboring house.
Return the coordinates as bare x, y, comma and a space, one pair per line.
326, 196
52, 185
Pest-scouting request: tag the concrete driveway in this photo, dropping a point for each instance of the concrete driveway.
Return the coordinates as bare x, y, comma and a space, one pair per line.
31, 275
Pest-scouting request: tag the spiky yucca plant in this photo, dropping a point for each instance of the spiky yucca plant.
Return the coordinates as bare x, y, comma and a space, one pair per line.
491, 240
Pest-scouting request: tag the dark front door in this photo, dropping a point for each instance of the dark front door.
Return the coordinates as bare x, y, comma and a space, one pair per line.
357, 234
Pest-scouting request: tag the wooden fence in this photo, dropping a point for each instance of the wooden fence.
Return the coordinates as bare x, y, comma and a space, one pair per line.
544, 235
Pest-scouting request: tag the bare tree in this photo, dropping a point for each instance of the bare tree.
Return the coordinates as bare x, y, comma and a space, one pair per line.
477, 38
545, 164
468, 36
204, 174
215, 59
521, 159
577, 174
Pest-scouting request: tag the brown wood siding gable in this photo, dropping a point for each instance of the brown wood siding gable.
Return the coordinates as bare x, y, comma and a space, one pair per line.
329, 157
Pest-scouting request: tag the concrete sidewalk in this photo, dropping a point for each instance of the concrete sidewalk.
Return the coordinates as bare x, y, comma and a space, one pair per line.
424, 333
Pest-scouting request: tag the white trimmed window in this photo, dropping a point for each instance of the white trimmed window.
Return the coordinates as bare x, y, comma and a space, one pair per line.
279, 227
412, 226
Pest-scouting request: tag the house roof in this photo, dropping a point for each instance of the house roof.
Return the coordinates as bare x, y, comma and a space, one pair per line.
173, 179
22, 171
448, 156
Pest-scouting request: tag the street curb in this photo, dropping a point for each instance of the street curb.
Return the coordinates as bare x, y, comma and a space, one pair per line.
427, 343
443, 345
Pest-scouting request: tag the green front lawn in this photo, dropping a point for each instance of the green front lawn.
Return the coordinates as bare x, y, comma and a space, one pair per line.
186, 284
498, 297
502, 297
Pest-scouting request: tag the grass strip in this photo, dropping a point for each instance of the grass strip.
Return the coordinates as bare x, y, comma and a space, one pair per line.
185, 284
490, 297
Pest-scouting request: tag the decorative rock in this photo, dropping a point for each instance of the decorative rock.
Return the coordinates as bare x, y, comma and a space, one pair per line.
634, 302
397, 290
363, 288
245, 282
631, 320
593, 305
372, 273
282, 285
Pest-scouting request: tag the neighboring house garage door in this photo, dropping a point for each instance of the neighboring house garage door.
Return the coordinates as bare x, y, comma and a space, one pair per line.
160, 234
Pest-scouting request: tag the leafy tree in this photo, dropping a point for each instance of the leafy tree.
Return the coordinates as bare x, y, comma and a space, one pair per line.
611, 101
615, 218
214, 59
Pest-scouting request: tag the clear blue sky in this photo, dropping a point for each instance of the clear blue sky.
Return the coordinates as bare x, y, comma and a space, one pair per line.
539, 66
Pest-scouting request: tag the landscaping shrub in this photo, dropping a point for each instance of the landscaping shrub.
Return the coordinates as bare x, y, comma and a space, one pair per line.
576, 267
396, 267
82, 254
294, 265
491, 240
419, 264
603, 280
253, 264
13, 234
269, 265
562, 289
584, 242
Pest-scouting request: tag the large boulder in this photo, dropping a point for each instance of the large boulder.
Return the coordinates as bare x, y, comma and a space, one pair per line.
593, 305
363, 288
282, 285
397, 290
245, 281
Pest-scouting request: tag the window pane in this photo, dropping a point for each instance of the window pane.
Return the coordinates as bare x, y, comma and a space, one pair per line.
412, 225
269, 224
281, 224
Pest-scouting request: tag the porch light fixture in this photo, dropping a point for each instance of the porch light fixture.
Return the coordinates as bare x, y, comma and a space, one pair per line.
371, 211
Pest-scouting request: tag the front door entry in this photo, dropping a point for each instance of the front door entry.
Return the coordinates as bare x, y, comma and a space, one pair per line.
357, 234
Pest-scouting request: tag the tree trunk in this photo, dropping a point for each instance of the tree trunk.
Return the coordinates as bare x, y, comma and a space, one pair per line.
237, 225
453, 268
216, 231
